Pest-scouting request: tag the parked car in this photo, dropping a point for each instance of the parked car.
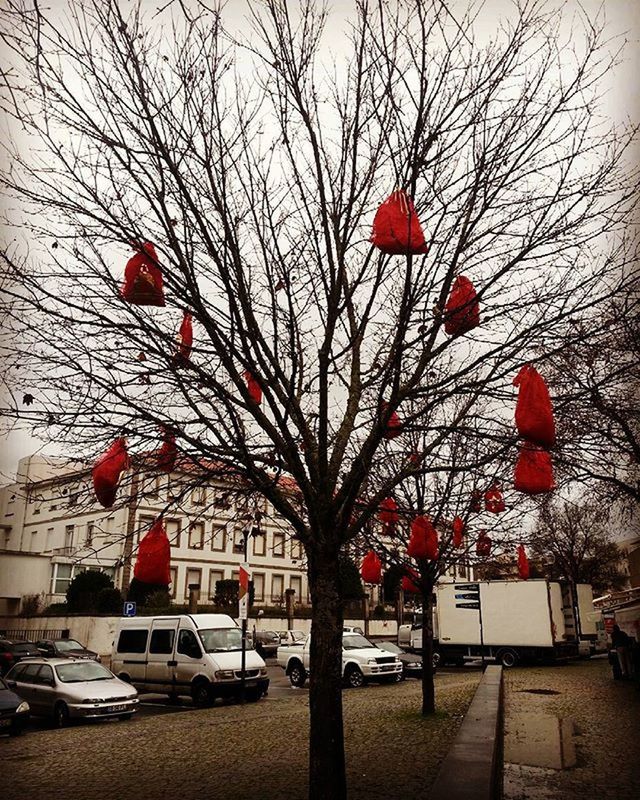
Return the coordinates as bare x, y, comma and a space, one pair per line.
356, 629
11, 652
291, 637
66, 689
14, 711
64, 648
411, 664
266, 643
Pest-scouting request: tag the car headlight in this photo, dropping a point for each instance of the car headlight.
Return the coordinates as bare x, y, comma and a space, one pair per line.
263, 670
22, 708
372, 661
90, 700
224, 674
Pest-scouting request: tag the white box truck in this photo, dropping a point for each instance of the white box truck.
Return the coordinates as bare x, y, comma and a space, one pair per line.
521, 620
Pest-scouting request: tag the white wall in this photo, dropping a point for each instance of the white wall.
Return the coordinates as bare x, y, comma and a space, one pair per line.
23, 574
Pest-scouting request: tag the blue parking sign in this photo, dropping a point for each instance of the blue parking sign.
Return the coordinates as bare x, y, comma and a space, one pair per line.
129, 609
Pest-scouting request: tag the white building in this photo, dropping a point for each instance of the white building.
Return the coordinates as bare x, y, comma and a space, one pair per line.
51, 527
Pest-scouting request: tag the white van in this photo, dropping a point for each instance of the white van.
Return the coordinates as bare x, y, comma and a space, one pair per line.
187, 654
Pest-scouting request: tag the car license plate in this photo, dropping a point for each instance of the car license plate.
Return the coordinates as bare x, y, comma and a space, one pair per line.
4, 723
113, 709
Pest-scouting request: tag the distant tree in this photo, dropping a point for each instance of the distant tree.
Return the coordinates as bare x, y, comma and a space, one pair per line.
572, 541
84, 589
139, 592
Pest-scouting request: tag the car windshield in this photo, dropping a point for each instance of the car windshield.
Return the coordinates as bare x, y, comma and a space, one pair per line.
297, 635
79, 671
64, 645
3, 686
390, 647
222, 640
353, 641
26, 648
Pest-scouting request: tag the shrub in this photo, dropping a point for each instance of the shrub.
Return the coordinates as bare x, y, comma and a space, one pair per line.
141, 592
57, 610
158, 600
109, 601
378, 612
82, 594
31, 604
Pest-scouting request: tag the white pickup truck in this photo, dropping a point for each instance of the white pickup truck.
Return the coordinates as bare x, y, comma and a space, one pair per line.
361, 661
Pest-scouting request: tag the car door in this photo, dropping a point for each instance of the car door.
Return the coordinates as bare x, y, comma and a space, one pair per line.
188, 657
160, 659
27, 685
45, 689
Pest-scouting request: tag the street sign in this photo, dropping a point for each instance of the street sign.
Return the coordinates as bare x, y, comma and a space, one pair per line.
243, 591
468, 596
467, 587
129, 609
468, 605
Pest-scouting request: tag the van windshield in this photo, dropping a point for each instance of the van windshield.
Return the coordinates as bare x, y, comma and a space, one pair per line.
222, 640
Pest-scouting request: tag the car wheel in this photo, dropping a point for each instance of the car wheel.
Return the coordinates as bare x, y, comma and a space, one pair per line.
16, 731
61, 715
297, 675
399, 677
125, 717
125, 678
435, 661
201, 694
508, 658
252, 695
354, 678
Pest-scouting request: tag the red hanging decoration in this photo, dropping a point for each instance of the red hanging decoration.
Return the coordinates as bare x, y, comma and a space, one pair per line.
476, 501
462, 312
154, 556
523, 563
493, 499
396, 227
107, 471
371, 569
411, 582
143, 278
458, 532
255, 392
388, 513
184, 340
534, 471
423, 542
534, 412
168, 452
394, 425
483, 545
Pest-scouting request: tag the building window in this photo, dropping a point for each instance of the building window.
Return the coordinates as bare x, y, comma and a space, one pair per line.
260, 544
296, 550
219, 538
48, 543
278, 545
214, 576
68, 536
277, 589
173, 572
199, 496
196, 535
61, 578
36, 509
153, 487
238, 540
222, 501
144, 525
258, 587
88, 541
173, 532
296, 584
73, 499
33, 542
193, 576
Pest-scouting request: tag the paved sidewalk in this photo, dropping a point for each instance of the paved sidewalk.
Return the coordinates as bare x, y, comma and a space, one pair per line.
575, 736
227, 752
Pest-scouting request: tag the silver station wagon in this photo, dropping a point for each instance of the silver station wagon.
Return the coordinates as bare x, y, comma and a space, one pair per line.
67, 689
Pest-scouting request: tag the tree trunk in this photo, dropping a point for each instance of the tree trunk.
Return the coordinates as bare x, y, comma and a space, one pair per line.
327, 775
428, 688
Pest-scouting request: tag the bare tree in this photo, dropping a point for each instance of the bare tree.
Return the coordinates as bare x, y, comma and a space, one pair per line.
255, 167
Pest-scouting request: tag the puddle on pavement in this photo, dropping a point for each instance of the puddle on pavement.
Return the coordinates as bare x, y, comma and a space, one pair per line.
538, 691
539, 740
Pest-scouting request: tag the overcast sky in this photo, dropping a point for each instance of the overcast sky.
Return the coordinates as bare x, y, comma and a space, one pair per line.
622, 102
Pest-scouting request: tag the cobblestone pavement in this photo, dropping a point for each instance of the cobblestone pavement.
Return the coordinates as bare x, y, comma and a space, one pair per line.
597, 726
258, 751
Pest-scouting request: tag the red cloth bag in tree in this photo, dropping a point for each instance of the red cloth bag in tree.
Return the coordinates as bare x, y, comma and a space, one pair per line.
534, 413
396, 227
394, 425
168, 452
371, 569
458, 531
493, 499
255, 392
483, 545
462, 312
143, 278
154, 556
523, 563
184, 340
107, 471
476, 501
410, 582
423, 542
388, 513
534, 471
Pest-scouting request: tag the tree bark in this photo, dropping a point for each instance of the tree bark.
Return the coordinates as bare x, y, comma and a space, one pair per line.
428, 688
327, 774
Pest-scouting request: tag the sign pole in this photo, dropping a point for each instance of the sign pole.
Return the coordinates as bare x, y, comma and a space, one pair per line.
481, 631
243, 603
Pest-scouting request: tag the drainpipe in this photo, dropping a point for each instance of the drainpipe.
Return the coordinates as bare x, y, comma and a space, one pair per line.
130, 532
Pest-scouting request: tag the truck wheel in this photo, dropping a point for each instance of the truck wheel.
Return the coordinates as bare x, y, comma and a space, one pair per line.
508, 658
201, 694
297, 675
354, 678
435, 660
